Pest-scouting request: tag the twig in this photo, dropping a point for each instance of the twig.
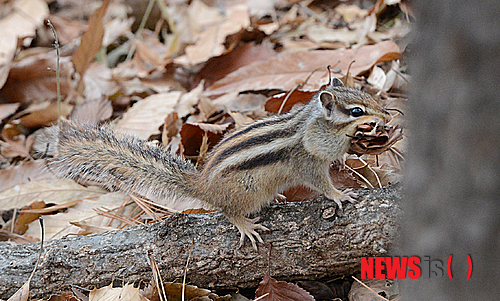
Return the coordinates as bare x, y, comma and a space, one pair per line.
185, 271
58, 82
145, 18
360, 175
157, 278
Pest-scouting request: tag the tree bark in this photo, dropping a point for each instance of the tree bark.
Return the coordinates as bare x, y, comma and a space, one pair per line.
452, 184
310, 240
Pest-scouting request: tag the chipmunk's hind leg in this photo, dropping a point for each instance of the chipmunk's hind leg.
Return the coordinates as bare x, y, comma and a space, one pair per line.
247, 228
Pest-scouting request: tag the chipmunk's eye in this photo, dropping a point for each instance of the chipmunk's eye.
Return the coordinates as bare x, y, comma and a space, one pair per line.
357, 112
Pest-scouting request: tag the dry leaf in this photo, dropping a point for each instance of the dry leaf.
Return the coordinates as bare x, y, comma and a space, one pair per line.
210, 41
22, 20
281, 290
277, 102
192, 136
87, 229
25, 218
34, 120
93, 111
240, 120
18, 147
150, 53
67, 29
341, 177
218, 67
54, 190
32, 79
374, 138
174, 292
372, 176
69, 296
109, 293
99, 82
81, 217
188, 101
22, 173
8, 109
147, 115
322, 33
377, 78
299, 194
286, 70
91, 41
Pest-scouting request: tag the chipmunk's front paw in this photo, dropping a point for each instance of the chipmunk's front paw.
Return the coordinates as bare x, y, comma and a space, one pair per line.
247, 228
347, 195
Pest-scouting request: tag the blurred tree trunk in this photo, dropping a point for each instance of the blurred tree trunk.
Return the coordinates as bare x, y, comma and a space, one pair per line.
452, 189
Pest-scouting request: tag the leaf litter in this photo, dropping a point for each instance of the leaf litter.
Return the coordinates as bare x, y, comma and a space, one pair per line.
184, 83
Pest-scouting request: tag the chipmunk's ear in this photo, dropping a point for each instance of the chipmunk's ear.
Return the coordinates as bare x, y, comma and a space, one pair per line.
336, 82
327, 99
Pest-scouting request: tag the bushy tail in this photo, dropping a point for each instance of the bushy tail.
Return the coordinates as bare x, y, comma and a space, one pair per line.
98, 154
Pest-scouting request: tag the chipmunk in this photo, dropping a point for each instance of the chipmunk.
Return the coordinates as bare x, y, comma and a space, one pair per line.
243, 172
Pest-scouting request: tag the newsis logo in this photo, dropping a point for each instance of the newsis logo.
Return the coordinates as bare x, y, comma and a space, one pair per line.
412, 267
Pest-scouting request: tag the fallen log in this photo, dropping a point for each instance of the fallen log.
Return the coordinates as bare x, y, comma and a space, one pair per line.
310, 240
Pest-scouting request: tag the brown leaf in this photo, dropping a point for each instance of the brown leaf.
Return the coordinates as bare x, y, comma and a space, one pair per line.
275, 103
286, 70
281, 290
147, 115
240, 120
18, 147
99, 82
209, 42
8, 109
19, 20
32, 79
342, 177
91, 41
383, 287
192, 136
68, 296
82, 215
93, 111
56, 190
150, 53
374, 139
22, 173
67, 29
188, 101
127, 292
197, 211
218, 67
38, 117
299, 194
26, 218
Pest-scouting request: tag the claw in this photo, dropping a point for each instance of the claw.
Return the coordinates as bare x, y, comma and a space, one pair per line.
347, 195
247, 228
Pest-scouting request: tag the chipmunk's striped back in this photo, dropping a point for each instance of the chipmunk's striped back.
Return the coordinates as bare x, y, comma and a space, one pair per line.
264, 142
